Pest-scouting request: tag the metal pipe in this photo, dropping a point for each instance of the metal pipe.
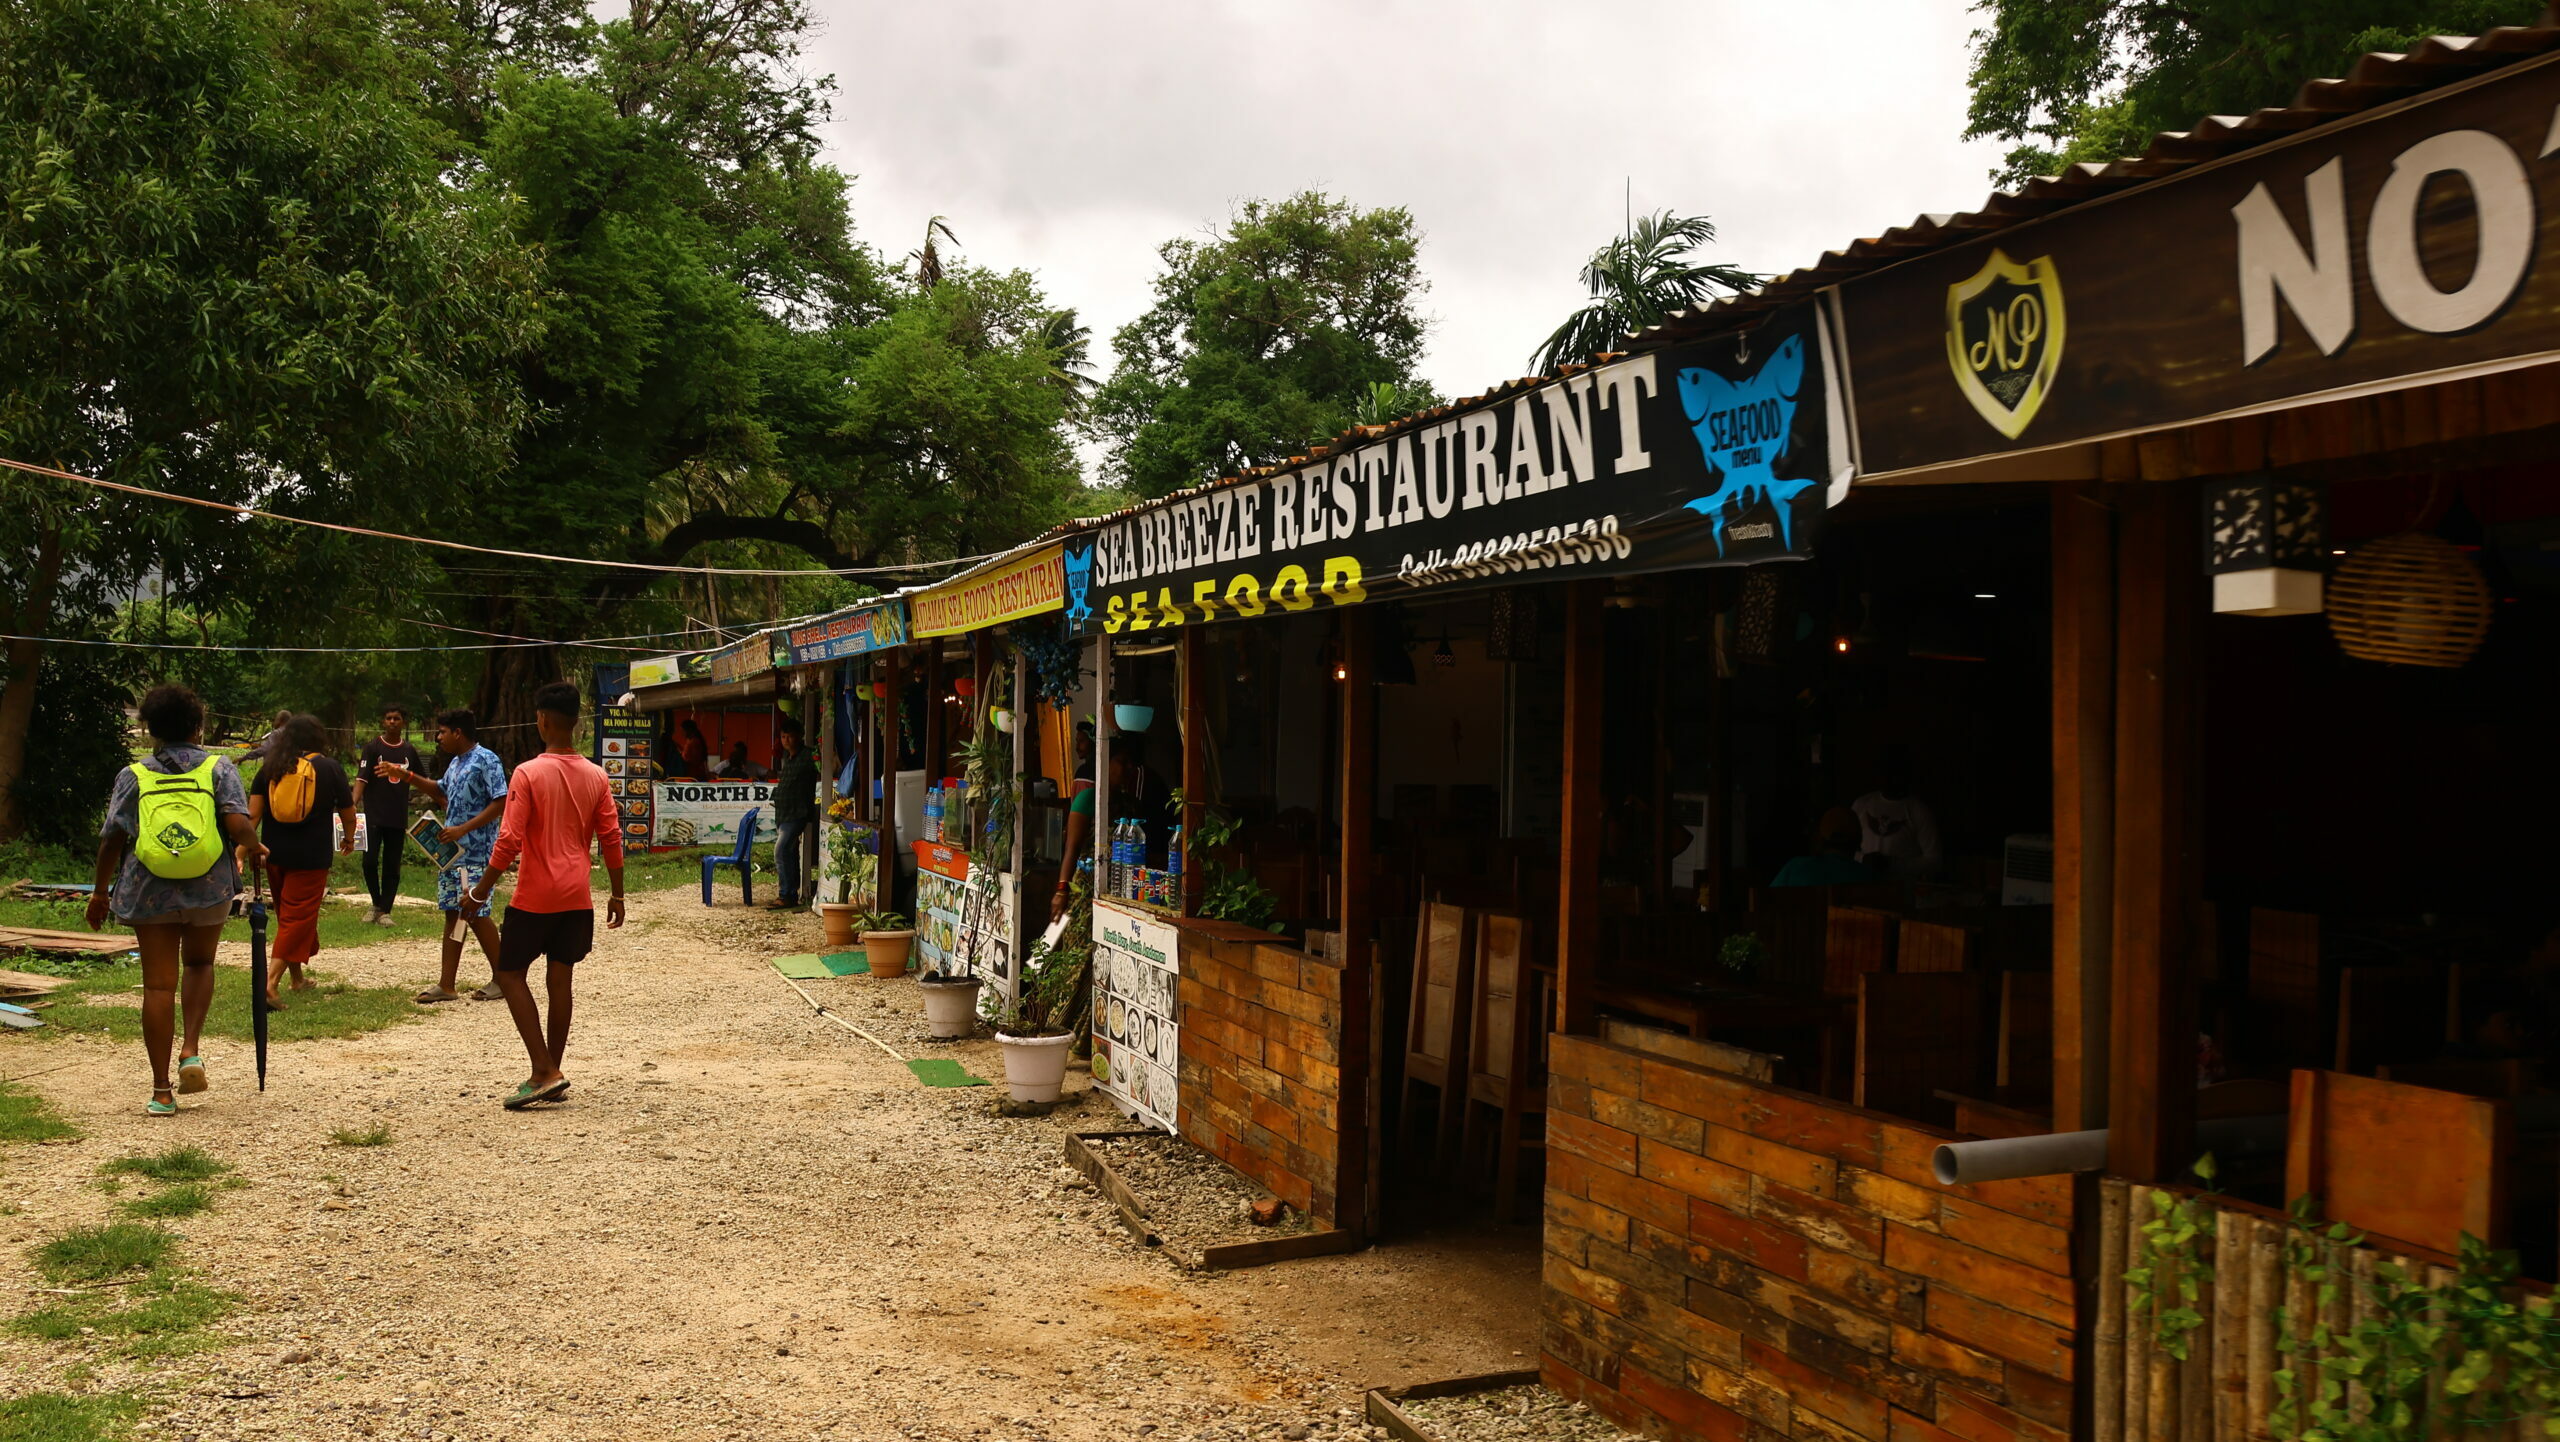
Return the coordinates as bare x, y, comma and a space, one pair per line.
2007, 1158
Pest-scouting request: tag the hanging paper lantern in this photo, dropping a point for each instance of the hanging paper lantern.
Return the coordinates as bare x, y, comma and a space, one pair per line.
880, 689
2411, 599
965, 686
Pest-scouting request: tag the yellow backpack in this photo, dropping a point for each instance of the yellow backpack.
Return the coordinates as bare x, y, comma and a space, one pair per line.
290, 794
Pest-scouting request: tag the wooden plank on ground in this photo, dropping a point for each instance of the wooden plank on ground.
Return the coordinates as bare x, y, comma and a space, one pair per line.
27, 983
1405, 1427
84, 943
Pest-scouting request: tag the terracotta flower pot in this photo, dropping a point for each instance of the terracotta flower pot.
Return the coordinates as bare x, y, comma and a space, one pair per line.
887, 952
838, 916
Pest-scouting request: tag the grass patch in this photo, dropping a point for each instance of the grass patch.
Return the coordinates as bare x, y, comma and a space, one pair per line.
178, 1164
165, 1314
105, 1001
98, 1254
186, 1199
26, 1117
377, 1135
60, 1417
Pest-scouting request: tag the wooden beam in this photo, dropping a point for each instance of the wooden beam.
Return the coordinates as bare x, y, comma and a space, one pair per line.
2152, 1047
884, 765
1106, 729
1720, 888
1356, 1198
2084, 722
1192, 677
937, 716
1578, 864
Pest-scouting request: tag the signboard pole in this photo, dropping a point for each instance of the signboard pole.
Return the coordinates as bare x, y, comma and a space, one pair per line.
1021, 818
1195, 765
1105, 729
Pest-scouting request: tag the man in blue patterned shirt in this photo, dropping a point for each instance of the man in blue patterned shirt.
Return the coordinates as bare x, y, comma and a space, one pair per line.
474, 793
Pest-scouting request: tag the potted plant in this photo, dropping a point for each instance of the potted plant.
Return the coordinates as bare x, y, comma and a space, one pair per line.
950, 1003
887, 937
849, 847
1033, 1029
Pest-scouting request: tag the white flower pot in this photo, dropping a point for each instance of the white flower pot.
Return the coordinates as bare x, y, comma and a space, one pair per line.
950, 1007
1035, 1066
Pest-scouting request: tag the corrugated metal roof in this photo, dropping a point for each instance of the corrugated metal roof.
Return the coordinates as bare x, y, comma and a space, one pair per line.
2377, 80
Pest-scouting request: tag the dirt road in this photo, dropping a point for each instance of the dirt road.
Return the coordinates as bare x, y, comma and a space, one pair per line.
744, 1223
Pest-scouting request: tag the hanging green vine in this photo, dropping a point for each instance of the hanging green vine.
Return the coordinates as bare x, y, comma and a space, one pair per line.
2172, 1264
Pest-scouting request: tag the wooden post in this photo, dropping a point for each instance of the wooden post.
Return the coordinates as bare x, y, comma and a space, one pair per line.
1105, 728
1192, 667
937, 712
1720, 896
884, 752
1578, 864
2084, 723
821, 732
2152, 1046
1658, 876
1359, 809
1025, 926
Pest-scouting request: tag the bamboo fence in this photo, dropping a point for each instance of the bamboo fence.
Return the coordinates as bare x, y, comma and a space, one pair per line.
2226, 1390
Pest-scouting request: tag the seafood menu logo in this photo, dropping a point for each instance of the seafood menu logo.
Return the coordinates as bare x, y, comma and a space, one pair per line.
2004, 338
1079, 584
1742, 429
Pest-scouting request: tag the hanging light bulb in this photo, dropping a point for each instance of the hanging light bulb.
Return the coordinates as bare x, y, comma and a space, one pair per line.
1444, 656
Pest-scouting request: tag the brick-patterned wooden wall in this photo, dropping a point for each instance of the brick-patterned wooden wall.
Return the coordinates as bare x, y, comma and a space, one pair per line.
1733, 1261
1262, 1061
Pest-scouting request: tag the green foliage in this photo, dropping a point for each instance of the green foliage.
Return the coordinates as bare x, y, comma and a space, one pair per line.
2091, 80
1263, 341
177, 1164
1056, 982
881, 921
96, 1254
60, 1417
1055, 659
164, 1313
377, 1135
1230, 893
78, 732
1742, 954
98, 1003
186, 1199
1640, 279
27, 1117
2168, 1282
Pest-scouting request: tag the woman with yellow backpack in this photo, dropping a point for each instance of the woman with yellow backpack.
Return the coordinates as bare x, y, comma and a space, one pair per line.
297, 789
165, 870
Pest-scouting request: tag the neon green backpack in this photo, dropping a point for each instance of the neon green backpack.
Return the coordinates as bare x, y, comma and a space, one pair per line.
180, 836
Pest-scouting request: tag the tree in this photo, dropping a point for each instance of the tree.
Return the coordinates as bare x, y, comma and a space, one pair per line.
2066, 81
1639, 279
1263, 340
218, 281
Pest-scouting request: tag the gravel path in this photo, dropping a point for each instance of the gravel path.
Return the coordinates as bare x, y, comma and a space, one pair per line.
745, 1224
1193, 1200
1513, 1414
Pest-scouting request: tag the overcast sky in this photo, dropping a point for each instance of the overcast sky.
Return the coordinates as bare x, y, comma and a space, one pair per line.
1071, 139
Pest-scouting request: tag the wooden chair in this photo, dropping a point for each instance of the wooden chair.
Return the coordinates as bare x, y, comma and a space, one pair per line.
1919, 1034
2388, 1014
1504, 1065
2022, 1059
2408, 1164
1759, 1066
1790, 922
1435, 1051
1926, 946
1856, 940
2510, 1077
2284, 983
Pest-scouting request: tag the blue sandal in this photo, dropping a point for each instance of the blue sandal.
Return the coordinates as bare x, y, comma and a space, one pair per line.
191, 1077
527, 1094
159, 1108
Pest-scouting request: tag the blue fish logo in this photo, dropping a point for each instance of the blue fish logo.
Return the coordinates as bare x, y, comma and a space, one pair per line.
1078, 561
1742, 428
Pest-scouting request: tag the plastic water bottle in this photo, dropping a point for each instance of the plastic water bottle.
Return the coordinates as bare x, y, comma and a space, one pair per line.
1173, 858
1116, 883
933, 813
1133, 856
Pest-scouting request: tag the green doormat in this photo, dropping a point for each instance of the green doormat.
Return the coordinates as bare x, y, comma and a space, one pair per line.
846, 963
942, 1071
804, 967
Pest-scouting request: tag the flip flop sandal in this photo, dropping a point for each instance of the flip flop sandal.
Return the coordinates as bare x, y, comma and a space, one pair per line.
158, 1108
527, 1094
429, 996
489, 993
191, 1076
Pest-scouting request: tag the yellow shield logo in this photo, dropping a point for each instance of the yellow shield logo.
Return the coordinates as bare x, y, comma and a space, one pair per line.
2004, 338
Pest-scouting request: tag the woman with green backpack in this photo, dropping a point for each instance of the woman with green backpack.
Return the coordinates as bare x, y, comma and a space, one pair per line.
166, 869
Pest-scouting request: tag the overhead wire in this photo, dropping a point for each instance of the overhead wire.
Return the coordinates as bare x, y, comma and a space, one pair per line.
650, 566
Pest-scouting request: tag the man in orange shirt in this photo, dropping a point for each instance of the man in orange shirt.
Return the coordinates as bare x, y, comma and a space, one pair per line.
556, 803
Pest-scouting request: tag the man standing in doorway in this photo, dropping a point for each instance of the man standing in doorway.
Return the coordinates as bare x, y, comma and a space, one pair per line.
386, 809
795, 809
473, 792
559, 803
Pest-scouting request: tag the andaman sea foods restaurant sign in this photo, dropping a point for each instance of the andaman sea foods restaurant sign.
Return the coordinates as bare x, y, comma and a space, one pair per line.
1724, 452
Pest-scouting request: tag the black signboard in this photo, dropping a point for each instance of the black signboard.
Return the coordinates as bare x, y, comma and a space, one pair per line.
1726, 452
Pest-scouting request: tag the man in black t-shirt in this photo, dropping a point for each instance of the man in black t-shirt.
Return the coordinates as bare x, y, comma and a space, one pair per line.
386, 810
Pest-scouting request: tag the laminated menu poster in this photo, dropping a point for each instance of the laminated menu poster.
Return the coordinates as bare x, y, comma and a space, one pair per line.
1137, 1039
964, 917
624, 738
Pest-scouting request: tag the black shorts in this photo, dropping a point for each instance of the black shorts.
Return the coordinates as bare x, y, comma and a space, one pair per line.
563, 936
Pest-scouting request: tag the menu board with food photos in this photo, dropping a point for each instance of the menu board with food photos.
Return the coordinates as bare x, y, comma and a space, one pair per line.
1137, 1040
624, 741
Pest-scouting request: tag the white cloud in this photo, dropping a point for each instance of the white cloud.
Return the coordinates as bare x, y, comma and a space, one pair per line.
1072, 139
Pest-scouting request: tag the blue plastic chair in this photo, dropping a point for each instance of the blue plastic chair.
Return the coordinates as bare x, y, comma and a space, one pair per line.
743, 858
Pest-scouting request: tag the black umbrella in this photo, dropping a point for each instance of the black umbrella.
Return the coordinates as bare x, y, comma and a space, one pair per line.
258, 970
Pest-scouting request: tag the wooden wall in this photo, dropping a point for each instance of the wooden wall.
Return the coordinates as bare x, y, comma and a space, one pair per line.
1262, 1061
1731, 1260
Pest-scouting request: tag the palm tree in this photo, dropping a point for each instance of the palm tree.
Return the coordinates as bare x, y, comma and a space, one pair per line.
928, 257
1641, 279
1069, 342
